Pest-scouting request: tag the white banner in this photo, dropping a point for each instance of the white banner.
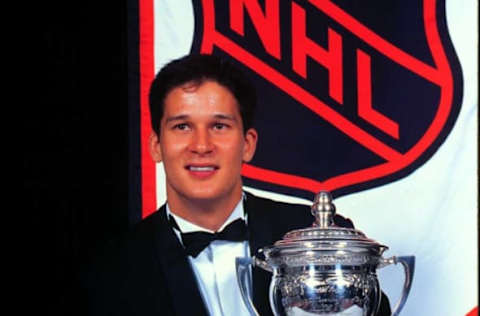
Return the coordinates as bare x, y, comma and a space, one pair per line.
432, 213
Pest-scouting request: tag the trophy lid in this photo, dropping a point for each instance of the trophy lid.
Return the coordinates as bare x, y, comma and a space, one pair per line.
324, 235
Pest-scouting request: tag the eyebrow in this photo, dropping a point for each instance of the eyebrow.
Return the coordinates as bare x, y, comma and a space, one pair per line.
176, 118
225, 117
186, 116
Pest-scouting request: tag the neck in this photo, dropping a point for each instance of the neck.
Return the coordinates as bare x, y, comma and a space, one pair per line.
207, 213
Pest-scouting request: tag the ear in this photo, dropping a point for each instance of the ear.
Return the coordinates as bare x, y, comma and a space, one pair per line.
154, 146
250, 145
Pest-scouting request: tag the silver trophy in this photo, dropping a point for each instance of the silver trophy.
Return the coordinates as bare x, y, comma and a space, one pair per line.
324, 269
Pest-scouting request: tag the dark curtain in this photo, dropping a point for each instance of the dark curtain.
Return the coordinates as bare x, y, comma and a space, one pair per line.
76, 154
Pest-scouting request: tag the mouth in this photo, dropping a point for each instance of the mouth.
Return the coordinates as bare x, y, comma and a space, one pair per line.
202, 171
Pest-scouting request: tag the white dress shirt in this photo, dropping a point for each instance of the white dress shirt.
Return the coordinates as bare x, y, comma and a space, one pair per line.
214, 268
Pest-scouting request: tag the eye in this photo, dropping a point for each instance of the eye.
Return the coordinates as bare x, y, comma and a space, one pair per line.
181, 126
220, 126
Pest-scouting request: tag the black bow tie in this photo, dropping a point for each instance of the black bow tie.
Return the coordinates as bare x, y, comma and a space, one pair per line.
195, 242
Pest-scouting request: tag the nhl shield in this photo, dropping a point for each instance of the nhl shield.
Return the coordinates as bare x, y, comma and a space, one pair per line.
352, 94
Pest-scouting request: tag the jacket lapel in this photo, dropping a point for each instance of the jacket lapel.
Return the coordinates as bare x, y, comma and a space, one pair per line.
180, 279
261, 234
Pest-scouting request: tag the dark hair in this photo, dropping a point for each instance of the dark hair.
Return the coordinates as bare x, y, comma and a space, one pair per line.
197, 69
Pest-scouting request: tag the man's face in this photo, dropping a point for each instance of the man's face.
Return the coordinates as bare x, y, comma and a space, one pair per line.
201, 142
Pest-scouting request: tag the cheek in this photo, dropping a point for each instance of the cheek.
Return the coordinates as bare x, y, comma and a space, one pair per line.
172, 146
172, 160
233, 151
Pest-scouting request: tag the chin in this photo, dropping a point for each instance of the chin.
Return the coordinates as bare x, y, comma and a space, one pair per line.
205, 195
208, 194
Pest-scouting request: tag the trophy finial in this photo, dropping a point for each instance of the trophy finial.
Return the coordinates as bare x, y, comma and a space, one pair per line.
323, 209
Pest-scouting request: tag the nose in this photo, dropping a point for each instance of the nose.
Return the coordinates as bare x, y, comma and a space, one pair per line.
201, 142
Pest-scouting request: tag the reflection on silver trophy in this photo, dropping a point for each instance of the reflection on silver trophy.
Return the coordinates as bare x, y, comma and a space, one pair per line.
324, 269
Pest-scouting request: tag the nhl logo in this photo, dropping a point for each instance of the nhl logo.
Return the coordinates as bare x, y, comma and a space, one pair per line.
352, 94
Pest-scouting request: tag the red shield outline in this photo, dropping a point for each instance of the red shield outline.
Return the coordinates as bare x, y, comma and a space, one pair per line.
440, 75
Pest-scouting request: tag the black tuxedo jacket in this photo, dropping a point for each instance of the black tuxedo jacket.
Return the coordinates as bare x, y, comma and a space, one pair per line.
147, 273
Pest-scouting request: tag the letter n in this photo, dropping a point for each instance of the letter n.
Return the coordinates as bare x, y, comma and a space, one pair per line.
267, 25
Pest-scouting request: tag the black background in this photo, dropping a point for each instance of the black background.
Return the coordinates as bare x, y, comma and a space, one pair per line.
74, 105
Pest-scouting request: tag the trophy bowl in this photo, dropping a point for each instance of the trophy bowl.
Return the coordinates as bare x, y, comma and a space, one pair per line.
324, 269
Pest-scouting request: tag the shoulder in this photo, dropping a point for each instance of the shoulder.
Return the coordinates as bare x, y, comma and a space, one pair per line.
125, 267
122, 253
129, 244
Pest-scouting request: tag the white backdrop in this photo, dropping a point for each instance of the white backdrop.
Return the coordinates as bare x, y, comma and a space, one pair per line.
432, 213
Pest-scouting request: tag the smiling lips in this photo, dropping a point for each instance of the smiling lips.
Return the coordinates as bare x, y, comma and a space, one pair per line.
203, 171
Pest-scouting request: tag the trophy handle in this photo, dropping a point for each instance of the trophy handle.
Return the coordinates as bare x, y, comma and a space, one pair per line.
243, 279
408, 263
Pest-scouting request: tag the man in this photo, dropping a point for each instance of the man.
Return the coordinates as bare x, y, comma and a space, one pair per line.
202, 119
